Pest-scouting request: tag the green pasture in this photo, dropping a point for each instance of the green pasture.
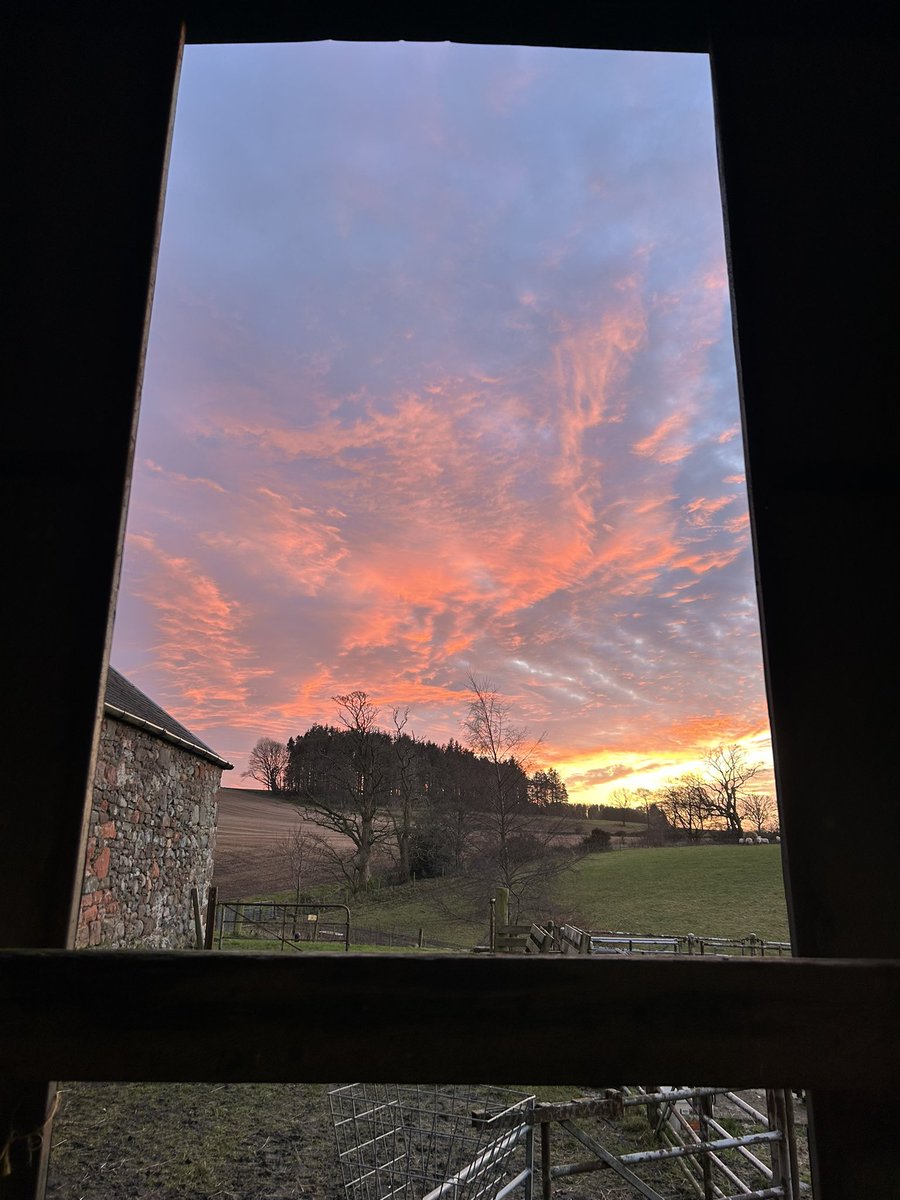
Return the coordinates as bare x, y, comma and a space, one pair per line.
727, 891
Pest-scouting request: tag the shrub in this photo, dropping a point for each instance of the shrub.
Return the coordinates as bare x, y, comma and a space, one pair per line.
596, 842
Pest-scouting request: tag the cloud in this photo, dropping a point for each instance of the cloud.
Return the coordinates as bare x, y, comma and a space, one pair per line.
440, 377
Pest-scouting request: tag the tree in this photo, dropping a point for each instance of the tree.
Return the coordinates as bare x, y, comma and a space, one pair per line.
547, 790
727, 773
404, 789
300, 850
685, 805
344, 775
517, 843
267, 764
759, 811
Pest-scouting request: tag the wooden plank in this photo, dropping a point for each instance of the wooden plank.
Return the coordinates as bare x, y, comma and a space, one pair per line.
817, 362
87, 117
382, 1012
210, 917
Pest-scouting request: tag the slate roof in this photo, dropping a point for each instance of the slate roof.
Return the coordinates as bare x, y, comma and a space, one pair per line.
127, 703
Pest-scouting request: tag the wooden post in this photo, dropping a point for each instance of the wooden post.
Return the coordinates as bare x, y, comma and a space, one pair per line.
791, 1134
546, 1177
210, 918
529, 1152
704, 1112
492, 936
199, 937
421, 936
501, 908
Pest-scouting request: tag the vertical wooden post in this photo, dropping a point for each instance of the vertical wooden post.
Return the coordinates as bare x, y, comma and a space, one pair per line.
546, 1177
704, 1112
492, 936
199, 937
501, 909
529, 1153
421, 936
89, 101
210, 917
791, 1135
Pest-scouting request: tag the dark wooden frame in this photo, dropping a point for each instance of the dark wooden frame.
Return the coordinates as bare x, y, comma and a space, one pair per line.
804, 103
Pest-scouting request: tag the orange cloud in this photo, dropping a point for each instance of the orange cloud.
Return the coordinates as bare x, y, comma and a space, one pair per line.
198, 635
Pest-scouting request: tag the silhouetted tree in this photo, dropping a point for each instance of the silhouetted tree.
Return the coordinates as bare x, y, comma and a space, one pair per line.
343, 776
267, 763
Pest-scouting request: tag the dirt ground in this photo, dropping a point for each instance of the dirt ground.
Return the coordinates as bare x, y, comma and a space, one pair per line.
250, 826
272, 1142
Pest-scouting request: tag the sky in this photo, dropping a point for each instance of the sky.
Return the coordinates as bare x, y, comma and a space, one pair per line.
440, 381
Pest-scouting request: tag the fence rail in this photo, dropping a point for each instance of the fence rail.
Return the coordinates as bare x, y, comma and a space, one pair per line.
683, 1121
548, 938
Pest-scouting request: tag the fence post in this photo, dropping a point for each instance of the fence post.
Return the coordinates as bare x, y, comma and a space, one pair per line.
781, 1156
198, 921
529, 1152
546, 1177
791, 1134
211, 896
704, 1112
502, 908
492, 936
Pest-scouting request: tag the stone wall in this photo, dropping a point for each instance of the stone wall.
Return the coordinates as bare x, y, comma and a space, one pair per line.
151, 839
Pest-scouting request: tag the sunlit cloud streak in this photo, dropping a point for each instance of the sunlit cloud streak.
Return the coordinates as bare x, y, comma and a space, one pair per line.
440, 380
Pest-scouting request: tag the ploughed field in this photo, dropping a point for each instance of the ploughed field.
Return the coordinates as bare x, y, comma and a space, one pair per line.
250, 826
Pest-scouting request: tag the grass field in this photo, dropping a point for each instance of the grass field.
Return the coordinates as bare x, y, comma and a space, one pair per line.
728, 891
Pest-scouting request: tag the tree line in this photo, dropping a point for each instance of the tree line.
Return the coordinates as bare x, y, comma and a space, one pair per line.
476, 806
718, 798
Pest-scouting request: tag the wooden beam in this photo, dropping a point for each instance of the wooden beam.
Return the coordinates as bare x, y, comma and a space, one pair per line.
88, 129
807, 135
87, 115
449, 1019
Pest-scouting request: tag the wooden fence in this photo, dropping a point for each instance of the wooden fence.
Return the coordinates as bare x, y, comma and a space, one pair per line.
548, 938
684, 1122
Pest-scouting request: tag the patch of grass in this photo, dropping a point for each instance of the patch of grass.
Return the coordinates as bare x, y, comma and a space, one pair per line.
727, 891
267, 946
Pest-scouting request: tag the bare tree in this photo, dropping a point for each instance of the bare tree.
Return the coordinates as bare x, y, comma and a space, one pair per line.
727, 774
518, 843
406, 762
686, 806
301, 851
759, 811
267, 763
351, 789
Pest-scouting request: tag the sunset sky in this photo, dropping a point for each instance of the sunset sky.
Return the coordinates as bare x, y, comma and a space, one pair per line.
441, 379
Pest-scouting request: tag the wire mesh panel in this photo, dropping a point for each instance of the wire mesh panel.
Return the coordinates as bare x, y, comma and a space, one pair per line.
415, 1142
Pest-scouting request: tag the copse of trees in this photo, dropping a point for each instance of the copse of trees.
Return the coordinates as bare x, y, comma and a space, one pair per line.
468, 807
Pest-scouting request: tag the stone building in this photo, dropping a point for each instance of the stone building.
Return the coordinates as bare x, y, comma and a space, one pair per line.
152, 827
